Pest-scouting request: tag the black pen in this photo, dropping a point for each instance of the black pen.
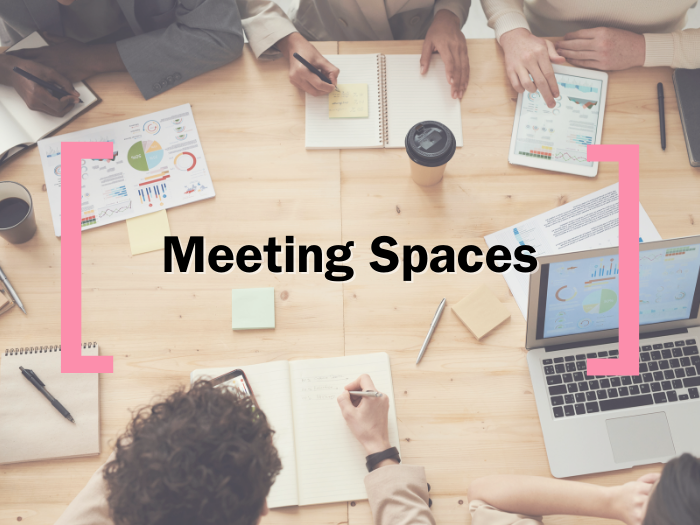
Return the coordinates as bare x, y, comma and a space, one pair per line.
34, 380
314, 70
662, 115
56, 91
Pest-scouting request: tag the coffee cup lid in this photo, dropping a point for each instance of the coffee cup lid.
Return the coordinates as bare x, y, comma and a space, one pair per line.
430, 143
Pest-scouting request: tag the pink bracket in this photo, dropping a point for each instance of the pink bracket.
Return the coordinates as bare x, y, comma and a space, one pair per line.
72, 360
627, 157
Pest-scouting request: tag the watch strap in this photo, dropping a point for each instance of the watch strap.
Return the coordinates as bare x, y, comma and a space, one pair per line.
374, 459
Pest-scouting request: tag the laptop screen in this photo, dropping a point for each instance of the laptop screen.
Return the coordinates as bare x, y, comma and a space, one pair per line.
581, 296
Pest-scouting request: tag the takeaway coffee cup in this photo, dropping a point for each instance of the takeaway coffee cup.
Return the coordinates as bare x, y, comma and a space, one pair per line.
17, 222
429, 145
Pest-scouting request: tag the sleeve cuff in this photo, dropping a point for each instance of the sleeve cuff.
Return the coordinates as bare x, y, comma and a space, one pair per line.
392, 474
263, 44
509, 21
659, 49
459, 7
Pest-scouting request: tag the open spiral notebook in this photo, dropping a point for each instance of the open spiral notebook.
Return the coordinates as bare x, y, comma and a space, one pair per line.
30, 428
321, 460
399, 97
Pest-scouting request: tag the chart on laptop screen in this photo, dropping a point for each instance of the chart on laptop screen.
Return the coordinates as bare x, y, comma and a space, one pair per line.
562, 133
582, 295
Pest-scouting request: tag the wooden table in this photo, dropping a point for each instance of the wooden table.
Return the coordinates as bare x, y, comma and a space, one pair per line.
468, 410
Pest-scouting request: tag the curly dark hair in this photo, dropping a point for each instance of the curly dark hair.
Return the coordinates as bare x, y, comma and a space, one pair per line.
201, 456
676, 498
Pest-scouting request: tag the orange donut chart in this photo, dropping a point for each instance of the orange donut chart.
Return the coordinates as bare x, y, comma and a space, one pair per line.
565, 300
183, 163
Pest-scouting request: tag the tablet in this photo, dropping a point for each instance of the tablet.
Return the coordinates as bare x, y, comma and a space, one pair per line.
556, 139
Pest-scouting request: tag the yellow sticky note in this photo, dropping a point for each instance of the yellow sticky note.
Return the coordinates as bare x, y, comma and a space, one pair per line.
147, 232
352, 101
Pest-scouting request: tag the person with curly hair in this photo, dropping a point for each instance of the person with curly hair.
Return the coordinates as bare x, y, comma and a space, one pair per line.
205, 456
201, 456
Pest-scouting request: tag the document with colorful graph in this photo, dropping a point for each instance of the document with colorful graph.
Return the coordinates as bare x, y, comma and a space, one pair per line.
158, 164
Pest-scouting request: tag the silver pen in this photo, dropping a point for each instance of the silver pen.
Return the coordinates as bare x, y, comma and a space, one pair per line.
428, 337
14, 295
366, 393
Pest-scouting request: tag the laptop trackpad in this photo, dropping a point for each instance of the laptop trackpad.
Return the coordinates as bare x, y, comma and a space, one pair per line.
638, 438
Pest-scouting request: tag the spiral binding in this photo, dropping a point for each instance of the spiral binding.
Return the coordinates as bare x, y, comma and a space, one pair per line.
384, 122
40, 349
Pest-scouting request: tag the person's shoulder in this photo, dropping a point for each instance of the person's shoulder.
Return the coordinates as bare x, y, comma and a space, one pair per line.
484, 514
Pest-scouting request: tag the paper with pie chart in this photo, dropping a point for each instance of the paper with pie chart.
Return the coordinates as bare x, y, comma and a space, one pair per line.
158, 164
583, 295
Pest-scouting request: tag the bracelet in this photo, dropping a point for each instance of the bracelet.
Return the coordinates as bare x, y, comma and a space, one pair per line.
374, 459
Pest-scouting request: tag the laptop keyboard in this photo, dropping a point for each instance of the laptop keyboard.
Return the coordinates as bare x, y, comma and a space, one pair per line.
669, 373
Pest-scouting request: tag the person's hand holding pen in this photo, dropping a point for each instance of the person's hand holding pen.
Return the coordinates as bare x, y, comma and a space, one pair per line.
299, 75
36, 97
367, 417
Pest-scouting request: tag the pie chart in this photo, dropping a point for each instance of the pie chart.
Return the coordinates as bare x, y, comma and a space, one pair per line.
599, 302
145, 155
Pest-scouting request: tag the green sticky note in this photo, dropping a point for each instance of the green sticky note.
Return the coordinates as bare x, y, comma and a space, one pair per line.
253, 308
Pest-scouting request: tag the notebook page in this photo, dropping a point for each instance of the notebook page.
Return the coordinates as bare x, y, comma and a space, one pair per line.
11, 133
36, 124
30, 427
412, 97
331, 462
270, 384
323, 132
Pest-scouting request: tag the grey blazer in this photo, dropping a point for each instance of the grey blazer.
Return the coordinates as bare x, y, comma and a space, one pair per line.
175, 40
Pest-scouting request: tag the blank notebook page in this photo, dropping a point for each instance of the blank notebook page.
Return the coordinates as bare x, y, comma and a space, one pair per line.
412, 97
30, 427
270, 384
324, 132
331, 462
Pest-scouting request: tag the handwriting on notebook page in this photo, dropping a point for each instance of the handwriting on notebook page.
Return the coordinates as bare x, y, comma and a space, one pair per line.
350, 101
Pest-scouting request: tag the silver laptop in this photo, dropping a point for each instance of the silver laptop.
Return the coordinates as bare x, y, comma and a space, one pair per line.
602, 423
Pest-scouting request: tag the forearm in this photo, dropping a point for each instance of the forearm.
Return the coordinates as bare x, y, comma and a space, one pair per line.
539, 496
104, 58
679, 49
504, 15
6, 64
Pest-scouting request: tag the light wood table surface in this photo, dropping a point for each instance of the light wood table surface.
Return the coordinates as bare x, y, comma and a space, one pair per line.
467, 410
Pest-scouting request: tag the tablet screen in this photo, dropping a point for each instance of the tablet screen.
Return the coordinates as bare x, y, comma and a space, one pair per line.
562, 133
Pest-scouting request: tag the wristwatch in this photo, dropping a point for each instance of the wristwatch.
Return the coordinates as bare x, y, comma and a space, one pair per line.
374, 459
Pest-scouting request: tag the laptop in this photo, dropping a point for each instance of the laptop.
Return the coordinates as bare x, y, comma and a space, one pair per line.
603, 423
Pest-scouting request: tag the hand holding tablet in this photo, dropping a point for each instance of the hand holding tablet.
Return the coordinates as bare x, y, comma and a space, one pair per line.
556, 138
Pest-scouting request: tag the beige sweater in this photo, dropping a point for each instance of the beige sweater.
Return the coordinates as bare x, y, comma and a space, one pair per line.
661, 22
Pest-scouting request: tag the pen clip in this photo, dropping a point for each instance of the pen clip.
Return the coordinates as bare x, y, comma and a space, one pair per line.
36, 377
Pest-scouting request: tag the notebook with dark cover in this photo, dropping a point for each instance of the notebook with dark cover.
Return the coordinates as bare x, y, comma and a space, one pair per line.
687, 83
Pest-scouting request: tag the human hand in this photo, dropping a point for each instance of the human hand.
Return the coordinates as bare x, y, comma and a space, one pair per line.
298, 74
445, 36
72, 59
367, 417
529, 56
630, 500
36, 97
603, 48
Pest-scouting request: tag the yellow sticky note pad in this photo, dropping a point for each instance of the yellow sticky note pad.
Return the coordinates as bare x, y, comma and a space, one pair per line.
481, 312
352, 101
147, 232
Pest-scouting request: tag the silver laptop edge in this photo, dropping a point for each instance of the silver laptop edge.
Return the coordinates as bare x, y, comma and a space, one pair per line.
603, 441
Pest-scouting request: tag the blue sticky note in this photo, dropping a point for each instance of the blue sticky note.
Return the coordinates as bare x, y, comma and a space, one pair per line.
253, 308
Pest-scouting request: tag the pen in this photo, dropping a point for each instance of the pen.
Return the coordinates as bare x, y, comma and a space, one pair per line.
56, 91
366, 393
34, 380
662, 115
14, 295
428, 337
314, 70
